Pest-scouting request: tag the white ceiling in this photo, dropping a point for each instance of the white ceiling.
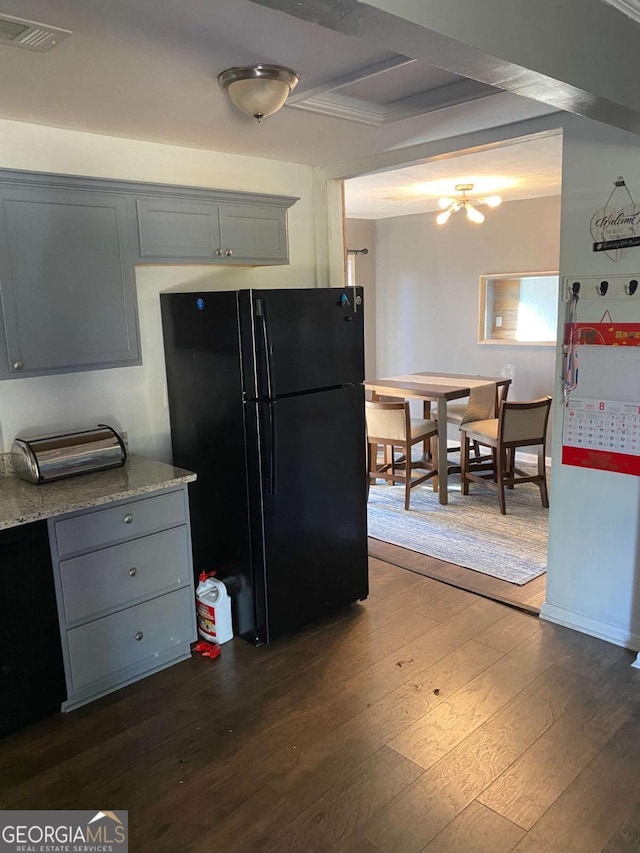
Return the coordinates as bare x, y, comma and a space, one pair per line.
527, 168
147, 69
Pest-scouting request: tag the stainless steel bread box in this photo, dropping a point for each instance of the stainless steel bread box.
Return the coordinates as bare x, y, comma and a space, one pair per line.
52, 457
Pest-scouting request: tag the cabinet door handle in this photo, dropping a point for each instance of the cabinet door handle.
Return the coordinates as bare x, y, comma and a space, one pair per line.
17, 365
218, 252
128, 518
133, 572
228, 252
139, 635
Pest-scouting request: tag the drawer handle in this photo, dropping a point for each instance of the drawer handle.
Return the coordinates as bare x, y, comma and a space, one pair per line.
139, 635
133, 572
128, 518
228, 252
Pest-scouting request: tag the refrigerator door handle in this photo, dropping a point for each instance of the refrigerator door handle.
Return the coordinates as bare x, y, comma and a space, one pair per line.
261, 311
271, 448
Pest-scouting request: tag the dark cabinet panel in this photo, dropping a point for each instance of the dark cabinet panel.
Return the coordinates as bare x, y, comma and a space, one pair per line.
67, 281
32, 684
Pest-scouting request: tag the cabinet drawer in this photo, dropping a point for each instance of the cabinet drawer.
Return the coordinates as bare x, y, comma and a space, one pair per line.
106, 579
105, 646
115, 524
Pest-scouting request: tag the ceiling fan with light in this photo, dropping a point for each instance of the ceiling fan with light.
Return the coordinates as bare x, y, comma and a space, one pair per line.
453, 205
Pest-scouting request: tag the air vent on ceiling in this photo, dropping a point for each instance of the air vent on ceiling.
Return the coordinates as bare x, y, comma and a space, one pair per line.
30, 34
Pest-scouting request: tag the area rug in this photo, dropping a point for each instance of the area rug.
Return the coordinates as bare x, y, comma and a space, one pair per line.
468, 531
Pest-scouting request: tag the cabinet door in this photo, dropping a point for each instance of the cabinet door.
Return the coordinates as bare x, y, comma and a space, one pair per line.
253, 233
169, 228
67, 281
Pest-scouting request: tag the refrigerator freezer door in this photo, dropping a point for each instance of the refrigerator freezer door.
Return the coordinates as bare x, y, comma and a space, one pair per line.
301, 340
313, 548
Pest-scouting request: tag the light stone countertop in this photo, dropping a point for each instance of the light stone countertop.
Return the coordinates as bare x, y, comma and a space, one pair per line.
22, 502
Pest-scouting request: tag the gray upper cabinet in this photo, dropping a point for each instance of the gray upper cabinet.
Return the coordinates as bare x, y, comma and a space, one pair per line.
176, 229
253, 233
67, 285
68, 250
172, 228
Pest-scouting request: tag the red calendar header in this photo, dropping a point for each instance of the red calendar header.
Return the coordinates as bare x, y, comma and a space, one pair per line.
604, 334
603, 460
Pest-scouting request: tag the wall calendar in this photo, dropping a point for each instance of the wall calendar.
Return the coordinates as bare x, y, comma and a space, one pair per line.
602, 414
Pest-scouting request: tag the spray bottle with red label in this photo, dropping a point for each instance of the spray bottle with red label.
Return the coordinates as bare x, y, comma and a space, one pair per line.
213, 609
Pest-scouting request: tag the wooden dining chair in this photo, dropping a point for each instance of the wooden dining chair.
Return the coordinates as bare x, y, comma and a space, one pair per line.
381, 398
391, 425
456, 410
522, 424
483, 460
471, 410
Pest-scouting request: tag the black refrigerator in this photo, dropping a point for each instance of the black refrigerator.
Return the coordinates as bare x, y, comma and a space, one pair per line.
266, 402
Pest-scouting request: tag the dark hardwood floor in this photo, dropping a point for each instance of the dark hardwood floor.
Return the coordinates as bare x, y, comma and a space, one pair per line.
426, 718
530, 596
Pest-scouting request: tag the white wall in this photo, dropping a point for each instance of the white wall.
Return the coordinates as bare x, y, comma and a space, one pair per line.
135, 397
361, 234
594, 558
427, 285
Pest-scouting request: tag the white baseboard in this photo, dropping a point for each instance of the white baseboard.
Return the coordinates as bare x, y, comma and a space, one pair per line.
594, 627
529, 458
532, 458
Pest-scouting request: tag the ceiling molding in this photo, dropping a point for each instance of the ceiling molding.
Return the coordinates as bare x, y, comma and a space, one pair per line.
450, 95
339, 106
349, 79
631, 8
354, 109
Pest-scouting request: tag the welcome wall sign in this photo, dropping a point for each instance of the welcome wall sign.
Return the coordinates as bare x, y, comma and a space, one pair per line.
613, 228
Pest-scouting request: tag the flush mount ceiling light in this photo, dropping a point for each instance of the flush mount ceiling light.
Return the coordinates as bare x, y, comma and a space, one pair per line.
258, 90
452, 205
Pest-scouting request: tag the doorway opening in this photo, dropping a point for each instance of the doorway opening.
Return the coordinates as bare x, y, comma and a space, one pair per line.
423, 285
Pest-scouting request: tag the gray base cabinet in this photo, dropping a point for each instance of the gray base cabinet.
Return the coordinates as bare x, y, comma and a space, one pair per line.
125, 594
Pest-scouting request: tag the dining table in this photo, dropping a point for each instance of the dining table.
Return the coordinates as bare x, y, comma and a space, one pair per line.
433, 387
